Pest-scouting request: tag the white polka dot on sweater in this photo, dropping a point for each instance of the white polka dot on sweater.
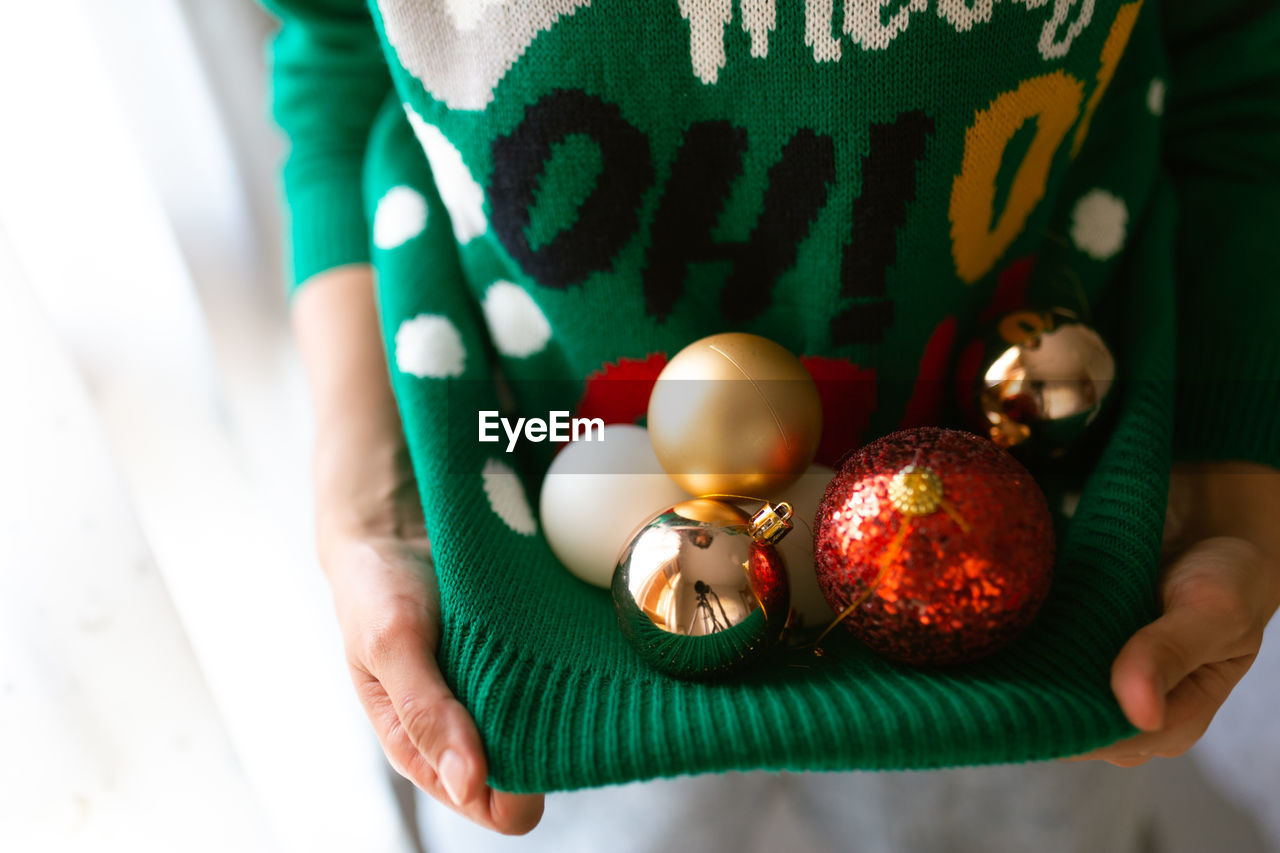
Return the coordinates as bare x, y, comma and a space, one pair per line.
1100, 224
458, 189
506, 497
516, 323
430, 347
400, 216
1155, 96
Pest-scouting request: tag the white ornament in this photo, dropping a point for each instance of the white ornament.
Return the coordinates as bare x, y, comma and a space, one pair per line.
796, 549
429, 346
596, 493
517, 325
400, 216
506, 497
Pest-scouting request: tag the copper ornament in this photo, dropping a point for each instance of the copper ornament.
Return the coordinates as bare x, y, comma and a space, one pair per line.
1049, 380
700, 591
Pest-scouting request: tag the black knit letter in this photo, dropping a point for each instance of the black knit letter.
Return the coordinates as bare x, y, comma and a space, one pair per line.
609, 214
710, 159
888, 187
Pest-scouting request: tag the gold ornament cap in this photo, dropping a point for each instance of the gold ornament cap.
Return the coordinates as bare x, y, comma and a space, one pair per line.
915, 491
771, 523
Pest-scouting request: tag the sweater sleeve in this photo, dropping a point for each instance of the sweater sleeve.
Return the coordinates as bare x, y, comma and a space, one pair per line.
328, 79
1222, 148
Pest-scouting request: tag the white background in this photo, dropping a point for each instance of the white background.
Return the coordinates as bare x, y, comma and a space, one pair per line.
170, 676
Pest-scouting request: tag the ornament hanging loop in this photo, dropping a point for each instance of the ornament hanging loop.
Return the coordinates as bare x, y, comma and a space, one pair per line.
770, 524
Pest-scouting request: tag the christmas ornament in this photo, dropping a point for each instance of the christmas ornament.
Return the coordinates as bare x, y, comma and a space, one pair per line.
934, 546
804, 495
596, 493
700, 590
1045, 379
734, 414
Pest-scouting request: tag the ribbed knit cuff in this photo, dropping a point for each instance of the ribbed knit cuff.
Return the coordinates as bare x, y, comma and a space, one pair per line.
327, 229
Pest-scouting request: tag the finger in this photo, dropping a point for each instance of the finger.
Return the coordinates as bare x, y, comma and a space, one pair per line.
1155, 660
443, 732
1191, 706
435, 722
515, 814
401, 754
1208, 617
497, 810
1129, 752
1179, 511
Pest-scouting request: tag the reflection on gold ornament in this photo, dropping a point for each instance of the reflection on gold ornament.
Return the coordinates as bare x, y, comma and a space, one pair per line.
734, 414
700, 590
1049, 380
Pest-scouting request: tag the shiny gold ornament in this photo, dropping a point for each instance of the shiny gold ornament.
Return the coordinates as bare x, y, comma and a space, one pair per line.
700, 591
1049, 381
734, 413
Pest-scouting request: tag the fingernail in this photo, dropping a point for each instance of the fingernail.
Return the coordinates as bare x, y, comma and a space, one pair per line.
453, 775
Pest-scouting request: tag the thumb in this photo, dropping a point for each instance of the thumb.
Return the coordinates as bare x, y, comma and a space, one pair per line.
436, 723
444, 734
1205, 614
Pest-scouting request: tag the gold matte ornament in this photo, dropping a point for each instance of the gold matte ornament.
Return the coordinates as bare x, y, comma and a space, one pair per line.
1048, 384
700, 591
734, 414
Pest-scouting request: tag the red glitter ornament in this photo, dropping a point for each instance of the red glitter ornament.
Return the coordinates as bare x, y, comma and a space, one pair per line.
938, 543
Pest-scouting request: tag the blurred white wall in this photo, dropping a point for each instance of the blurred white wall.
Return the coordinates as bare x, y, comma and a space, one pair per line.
170, 674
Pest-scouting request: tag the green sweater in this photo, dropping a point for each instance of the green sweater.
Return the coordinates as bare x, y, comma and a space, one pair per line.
573, 190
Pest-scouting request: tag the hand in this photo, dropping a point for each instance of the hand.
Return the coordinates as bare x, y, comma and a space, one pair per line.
1219, 586
373, 546
388, 611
